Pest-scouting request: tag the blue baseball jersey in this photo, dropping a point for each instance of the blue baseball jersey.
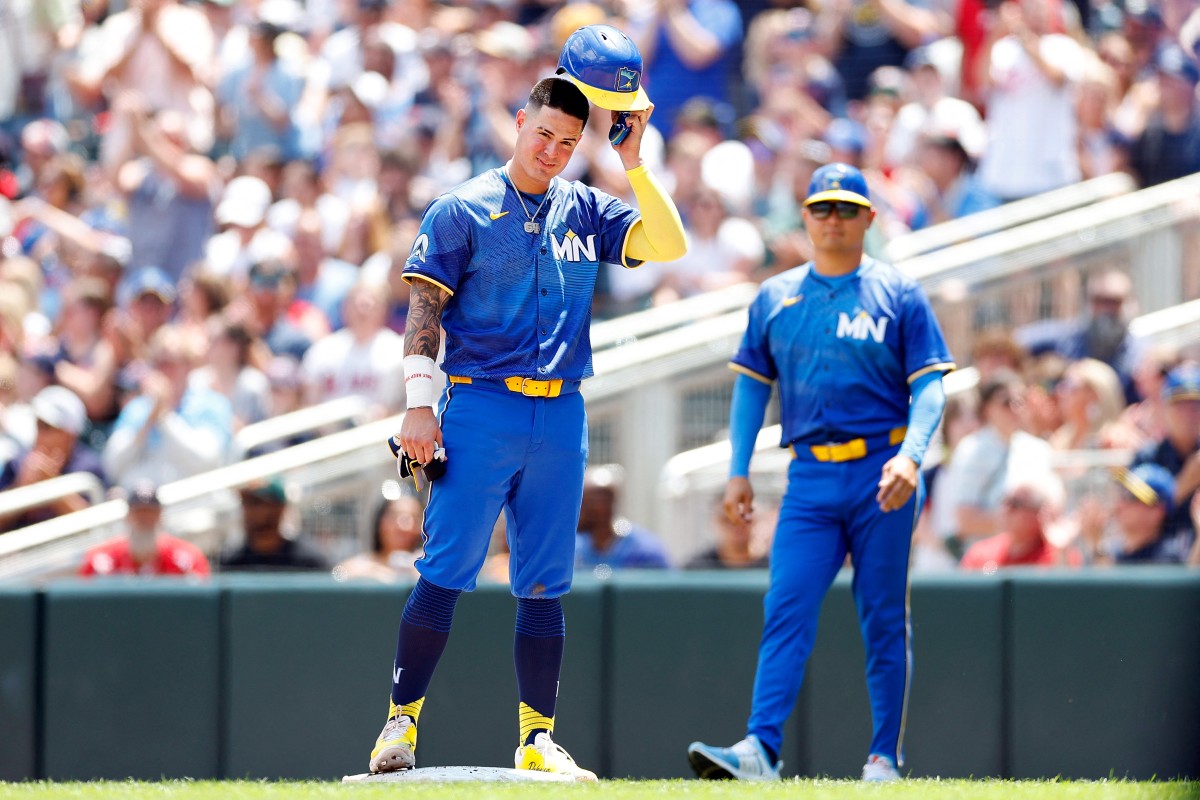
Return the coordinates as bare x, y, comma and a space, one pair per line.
521, 303
843, 349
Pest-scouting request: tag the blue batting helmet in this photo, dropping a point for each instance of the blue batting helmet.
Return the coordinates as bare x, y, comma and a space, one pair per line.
606, 66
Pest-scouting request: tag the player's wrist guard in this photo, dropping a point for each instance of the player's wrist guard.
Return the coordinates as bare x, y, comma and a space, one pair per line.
418, 381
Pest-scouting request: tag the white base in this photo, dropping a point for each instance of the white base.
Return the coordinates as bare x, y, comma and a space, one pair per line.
458, 775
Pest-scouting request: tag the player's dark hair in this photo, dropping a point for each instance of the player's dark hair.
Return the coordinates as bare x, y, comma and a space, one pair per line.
559, 94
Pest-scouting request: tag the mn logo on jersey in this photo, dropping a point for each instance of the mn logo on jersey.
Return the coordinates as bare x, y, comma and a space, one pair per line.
627, 79
861, 326
419, 249
574, 248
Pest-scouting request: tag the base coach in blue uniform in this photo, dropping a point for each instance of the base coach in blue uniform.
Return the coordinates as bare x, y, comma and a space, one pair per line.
858, 356
506, 264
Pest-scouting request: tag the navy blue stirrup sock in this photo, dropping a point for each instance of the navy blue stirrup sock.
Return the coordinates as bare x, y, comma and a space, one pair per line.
538, 642
424, 631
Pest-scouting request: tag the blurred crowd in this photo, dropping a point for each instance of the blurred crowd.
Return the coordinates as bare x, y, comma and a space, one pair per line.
205, 204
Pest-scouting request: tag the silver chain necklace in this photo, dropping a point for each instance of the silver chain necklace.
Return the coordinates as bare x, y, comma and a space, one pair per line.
530, 225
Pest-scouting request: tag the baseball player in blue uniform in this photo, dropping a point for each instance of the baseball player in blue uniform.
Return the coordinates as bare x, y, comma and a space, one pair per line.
858, 356
506, 264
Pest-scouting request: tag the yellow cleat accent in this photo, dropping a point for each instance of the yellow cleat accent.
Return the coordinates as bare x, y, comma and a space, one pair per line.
546, 756
396, 747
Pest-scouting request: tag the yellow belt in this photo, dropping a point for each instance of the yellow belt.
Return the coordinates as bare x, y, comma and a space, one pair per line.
526, 386
853, 449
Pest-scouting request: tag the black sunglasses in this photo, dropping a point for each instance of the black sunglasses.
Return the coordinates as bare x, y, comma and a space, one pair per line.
823, 209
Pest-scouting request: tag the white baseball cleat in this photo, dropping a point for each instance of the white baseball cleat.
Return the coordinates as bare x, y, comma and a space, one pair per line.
396, 746
745, 761
879, 769
543, 755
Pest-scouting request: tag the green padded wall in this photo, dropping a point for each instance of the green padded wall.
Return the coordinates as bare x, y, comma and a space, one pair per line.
954, 723
684, 649
1025, 674
18, 683
133, 667
309, 664
1106, 674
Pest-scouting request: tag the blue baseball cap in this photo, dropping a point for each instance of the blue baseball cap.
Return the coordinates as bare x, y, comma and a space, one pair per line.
838, 182
1150, 484
1183, 383
148, 280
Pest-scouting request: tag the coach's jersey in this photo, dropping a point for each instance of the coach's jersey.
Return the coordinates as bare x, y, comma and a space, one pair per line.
521, 302
843, 349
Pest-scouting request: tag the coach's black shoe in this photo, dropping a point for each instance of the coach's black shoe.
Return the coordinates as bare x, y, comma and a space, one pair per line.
745, 761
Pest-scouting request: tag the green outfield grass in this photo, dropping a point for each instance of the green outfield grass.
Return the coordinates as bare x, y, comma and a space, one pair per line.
612, 790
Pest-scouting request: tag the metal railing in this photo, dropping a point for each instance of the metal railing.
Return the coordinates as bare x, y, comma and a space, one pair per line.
1036, 271
640, 324
43, 493
275, 431
352, 463
1010, 215
1178, 326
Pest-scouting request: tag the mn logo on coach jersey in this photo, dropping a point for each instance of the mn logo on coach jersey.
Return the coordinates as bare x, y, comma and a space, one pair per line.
574, 248
861, 326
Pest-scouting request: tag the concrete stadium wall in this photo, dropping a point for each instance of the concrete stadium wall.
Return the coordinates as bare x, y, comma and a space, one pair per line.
1024, 675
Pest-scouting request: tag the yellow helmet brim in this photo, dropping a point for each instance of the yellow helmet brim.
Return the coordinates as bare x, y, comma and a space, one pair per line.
612, 101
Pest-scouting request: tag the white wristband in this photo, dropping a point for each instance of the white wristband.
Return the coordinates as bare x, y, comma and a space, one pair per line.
418, 381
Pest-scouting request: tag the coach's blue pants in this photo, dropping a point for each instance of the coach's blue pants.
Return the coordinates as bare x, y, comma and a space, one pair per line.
830, 510
523, 454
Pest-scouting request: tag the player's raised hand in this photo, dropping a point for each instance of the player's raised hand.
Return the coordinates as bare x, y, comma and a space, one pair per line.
420, 434
897, 483
630, 150
739, 501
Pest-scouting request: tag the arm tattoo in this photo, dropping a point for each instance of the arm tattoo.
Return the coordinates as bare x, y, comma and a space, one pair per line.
423, 331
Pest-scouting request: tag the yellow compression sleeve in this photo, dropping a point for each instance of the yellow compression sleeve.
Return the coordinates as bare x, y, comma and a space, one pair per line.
658, 235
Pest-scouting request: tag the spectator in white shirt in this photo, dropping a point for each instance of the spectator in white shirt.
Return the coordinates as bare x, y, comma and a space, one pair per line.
365, 358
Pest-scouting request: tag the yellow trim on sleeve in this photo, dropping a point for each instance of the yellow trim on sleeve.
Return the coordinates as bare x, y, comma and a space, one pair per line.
749, 373
625, 247
658, 235
945, 366
408, 278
